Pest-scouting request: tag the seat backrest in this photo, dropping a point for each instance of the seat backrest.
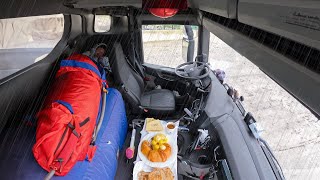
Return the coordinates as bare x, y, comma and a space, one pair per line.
130, 81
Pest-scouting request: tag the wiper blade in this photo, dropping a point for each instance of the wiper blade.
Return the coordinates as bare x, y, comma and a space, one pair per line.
251, 122
265, 147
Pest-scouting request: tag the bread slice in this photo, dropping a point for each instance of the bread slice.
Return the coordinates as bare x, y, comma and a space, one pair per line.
153, 125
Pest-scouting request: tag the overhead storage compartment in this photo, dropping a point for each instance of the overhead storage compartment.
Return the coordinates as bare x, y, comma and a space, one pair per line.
294, 19
225, 8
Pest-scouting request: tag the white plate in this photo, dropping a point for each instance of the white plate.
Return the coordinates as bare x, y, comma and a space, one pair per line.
141, 166
169, 161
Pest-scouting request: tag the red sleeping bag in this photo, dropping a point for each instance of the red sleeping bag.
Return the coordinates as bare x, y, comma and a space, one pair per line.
67, 120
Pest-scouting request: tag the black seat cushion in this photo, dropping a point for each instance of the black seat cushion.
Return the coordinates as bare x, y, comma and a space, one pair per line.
158, 101
131, 85
125, 76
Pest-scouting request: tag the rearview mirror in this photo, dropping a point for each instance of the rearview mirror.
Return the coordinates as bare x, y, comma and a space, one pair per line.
102, 23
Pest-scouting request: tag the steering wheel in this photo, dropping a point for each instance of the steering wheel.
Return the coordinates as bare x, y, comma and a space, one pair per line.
192, 70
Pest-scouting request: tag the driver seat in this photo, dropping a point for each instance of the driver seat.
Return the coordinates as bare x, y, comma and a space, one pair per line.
156, 102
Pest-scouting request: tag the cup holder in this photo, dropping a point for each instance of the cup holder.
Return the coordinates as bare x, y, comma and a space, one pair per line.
203, 160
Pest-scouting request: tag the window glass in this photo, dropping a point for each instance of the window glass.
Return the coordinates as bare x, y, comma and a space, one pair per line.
26, 40
288, 126
167, 45
102, 23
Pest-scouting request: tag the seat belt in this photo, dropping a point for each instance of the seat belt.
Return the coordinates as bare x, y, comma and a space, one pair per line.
137, 63
133, 68
136, 66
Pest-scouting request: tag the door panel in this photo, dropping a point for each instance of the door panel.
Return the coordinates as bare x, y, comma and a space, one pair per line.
19, 95
163, 76
162, 72
166, 78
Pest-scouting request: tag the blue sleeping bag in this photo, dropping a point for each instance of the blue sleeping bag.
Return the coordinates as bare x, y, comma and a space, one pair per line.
22, 165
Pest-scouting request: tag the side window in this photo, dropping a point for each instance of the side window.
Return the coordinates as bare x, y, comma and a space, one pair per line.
26, 40
167, 45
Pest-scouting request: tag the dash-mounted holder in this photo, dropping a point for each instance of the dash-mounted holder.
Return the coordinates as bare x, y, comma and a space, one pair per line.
251, 122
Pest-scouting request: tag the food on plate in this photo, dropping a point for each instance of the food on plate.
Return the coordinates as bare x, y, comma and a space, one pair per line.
143, 175
155, 156
163, 147
158, 150
167, 150
156, 174
153, 125
161, 174
145, 148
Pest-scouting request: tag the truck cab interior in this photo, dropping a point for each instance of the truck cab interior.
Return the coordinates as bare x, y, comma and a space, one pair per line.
190, 92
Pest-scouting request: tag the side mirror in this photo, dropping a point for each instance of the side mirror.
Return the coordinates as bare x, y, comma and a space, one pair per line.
188, 44
185, 45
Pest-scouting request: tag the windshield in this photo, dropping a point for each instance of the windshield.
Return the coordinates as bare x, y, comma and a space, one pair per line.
166, 45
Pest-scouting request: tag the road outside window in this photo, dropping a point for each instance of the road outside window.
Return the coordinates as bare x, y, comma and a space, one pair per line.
26, 40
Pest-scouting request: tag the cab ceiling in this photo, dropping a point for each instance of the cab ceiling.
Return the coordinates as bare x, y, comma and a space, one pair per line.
22, 8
